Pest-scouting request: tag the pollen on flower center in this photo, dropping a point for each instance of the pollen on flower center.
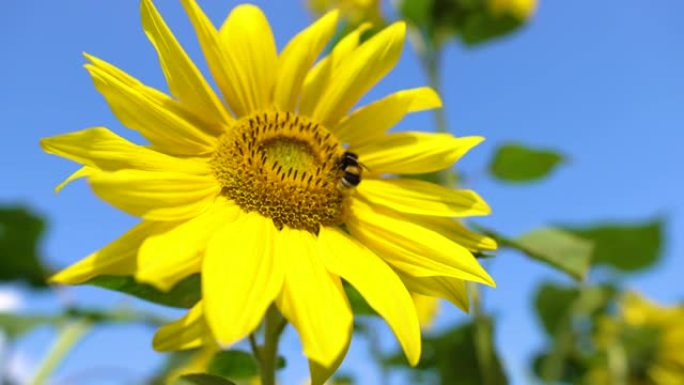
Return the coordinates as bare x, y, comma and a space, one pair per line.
283, 166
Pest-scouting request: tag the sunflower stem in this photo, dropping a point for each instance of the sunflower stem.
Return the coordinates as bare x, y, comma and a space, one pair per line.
483, 338
267, 354
432, 62
431, 58
68, 336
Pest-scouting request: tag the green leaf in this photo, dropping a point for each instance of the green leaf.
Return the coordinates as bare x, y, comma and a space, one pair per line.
626, 247
464, 355
418, 13
558, 248
566, 314
482, 26
14, 325
554, 304
358, 303
235, 364
20, 231
516, 163
202, 379
184, 295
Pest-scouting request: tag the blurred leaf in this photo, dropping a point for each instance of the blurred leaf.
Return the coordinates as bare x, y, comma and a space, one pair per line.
202, 379
625, 247
553, 304
567, 315
556, 304
517, 163
14, 325
234, 364
20, 231
558, 248
418, 13
184, 295
572, 368
358, 303
482, 26
454, 355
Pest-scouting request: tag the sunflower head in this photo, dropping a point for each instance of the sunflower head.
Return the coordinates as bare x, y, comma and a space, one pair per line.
649, 336
280, 191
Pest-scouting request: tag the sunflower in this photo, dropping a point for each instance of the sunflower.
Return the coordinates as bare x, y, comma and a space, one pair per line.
276, 193
649, 336
520, 9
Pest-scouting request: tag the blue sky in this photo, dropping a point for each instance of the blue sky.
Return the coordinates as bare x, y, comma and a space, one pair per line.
600, 81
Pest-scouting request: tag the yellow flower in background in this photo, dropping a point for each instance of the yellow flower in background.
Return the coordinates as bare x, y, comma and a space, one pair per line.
354, 11
277, 193
650, 337
520, 9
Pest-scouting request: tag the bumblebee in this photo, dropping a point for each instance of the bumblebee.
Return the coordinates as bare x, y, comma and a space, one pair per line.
352, 170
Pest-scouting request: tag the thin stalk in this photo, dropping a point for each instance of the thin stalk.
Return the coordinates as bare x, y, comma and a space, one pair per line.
617, 364
432, 63
483, 338
267, 354
68, 336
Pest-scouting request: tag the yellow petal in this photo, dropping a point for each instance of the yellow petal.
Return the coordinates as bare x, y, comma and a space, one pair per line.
160, 119
102, 149
190, 331
358, 72
377, 283
319, 78
413, 249
313, 300
185, 80
250, 61
78, 174
422, 198
413, 152
297, 57
242, 57
449, 288
456, 231
241, 276
117, 258
163, 196
364, 123
167, 257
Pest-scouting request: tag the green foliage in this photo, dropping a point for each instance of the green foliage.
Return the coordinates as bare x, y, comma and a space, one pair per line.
202, 379
358, 303
557, 305
20, 231
625, 247
558, 248
234, 364
184, 295
568, 314
553, 304
472, 21
517, 163
463, 355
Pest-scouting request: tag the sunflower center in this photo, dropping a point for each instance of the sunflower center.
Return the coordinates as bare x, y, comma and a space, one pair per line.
285, 167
